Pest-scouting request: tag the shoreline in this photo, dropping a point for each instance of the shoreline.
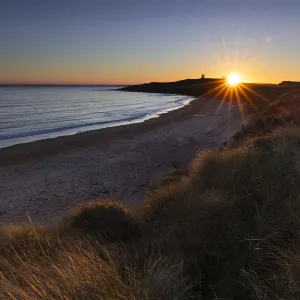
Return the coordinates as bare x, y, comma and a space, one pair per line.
47, 178
35, 149
76, 124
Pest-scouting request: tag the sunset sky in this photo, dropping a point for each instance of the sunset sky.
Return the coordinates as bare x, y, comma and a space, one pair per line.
136, 41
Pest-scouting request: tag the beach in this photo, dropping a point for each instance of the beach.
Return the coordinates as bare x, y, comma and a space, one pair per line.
46, 178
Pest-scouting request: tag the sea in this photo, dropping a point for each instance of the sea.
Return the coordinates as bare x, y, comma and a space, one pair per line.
30, 113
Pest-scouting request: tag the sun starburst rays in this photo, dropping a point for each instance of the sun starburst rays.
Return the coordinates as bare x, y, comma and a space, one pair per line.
234, 59
240, 89
254, 92
223, 99
238, 94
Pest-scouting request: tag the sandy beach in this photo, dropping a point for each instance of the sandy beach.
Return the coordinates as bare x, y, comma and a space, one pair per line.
46, 178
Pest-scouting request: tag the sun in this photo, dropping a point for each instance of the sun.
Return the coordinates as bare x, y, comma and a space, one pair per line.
233, 79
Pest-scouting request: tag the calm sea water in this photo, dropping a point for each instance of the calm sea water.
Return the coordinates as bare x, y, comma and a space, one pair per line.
34, 113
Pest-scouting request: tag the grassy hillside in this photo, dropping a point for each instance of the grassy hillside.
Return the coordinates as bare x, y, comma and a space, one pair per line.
227, 227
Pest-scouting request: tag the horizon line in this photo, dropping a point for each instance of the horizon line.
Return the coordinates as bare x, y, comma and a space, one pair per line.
112, 84
63, 84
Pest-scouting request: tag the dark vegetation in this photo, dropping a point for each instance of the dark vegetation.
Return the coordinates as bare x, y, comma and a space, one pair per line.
200, 87
190, 87
227, 227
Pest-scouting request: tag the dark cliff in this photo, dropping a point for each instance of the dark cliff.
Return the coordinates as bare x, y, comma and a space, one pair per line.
189, 87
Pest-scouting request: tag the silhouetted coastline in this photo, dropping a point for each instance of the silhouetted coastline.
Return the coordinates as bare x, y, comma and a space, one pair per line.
189, 87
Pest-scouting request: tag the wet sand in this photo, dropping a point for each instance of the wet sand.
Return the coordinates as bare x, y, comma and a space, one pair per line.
46, 178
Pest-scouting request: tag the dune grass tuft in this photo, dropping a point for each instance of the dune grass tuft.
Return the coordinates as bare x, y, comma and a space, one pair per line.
110, 220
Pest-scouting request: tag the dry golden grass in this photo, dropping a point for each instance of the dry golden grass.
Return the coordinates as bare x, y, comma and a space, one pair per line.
228, 227
88, 270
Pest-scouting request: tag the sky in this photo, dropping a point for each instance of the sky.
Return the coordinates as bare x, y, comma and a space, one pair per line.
136, 41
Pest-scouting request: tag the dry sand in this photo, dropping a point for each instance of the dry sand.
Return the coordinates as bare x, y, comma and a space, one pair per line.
47, 178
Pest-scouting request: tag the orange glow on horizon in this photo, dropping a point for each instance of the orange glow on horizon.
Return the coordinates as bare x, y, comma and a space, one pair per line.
92, 76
